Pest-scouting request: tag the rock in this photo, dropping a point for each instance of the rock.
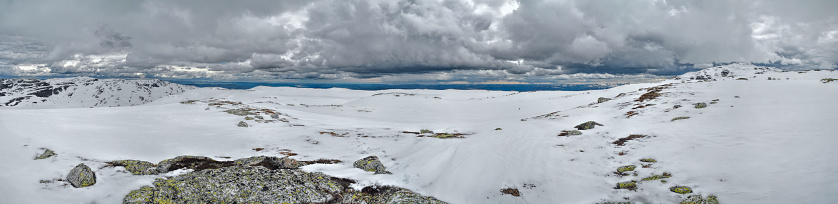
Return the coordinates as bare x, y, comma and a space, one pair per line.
696, 199
196, 163
680, 118
681, 189
269, 162
649, 160
81, 176
827, 80
602, 99
386, 194
136, 167
240, 112
275, 116
631, 185
243, 124
657, 177
676, 106
700, 105
511, 191
371, 163
587, 125
257, 184
570, 132
47, 154
725, 73
623, 169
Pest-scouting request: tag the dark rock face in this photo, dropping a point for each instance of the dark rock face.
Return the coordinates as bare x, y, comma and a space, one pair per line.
81, 176
371, 163
196, 163
587, 125
257, 184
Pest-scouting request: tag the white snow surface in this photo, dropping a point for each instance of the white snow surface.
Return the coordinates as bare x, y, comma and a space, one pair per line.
763, 141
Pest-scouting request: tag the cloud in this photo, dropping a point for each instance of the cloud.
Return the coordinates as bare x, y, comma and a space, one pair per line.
487, 39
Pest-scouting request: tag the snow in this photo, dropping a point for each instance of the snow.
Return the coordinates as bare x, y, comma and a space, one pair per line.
774, 143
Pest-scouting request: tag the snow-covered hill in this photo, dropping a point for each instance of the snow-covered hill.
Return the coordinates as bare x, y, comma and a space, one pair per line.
726, 131
80, 92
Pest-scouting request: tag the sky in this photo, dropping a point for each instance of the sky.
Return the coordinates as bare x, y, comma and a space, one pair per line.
389, 41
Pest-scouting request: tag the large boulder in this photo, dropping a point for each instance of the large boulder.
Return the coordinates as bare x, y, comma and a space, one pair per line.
371, 163
257, 184
81, 176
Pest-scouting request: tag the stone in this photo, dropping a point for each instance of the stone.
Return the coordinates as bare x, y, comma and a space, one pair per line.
243, 124
81, 176
371, 163
697, 199
587, 125
269, 162
136, 167
680, 118
196, 163
700, 105
47, 154
257, 184
630, 185
602, 100
681, 189
626, 168
570, 132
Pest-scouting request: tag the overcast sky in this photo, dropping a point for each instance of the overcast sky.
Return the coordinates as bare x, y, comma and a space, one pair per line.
414, 40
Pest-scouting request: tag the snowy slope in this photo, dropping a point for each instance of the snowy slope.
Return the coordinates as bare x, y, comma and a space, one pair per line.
80, 92
762, 141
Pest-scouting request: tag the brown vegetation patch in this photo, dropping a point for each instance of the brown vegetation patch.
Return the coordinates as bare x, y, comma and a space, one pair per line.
333, 134
646, 165
258, 149
631, 113
622, 141
511, 191
322, 161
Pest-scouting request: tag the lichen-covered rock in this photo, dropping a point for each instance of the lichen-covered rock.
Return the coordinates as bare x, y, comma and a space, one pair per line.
242, 184
47, 154
270, 162
136, 167
680, 118
681, 189
697, 199
570, 132
243, 124
587, 125
386, 194
81, 176
648, 160
240, 112
623, 169
630, 185
676, 106
657, 177
196, 163
700, 105
257, 184
602, 100
371, 163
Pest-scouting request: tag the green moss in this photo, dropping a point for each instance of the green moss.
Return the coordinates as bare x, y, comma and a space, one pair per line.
631, 185
697, 199
648, 160
681, 189
626, 168
680, 118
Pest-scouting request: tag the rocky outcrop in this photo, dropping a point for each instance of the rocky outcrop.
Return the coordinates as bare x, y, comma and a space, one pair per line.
136, 167
81, 176
270, 162
602, 100
47, 154
371, 163
257, 184
700, 105
243, 124
85, 92
196, 163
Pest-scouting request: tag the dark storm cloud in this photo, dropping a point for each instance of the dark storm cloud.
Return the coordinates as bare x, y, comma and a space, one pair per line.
368, 39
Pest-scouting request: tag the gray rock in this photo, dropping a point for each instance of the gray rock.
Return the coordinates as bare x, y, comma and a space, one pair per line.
196, 163
587, 125
136, 167
243, 124
602, 99
371, 163
81, 176
257, 184
47, 154
275, 116
700, 105
269, 162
